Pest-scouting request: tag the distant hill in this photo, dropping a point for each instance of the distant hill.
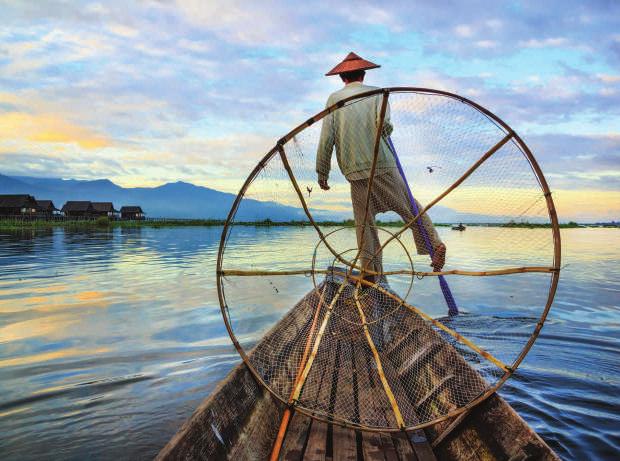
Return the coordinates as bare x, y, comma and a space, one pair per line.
172, 200
185, 200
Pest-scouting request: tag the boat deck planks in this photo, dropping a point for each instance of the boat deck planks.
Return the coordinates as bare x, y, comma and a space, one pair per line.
348, 377
240, 419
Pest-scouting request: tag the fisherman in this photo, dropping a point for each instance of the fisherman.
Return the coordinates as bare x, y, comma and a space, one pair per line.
352, 130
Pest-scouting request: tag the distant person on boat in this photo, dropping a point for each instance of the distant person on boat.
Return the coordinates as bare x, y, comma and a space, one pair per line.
352, 131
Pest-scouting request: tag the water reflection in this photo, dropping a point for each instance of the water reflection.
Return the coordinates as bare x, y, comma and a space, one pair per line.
110, 339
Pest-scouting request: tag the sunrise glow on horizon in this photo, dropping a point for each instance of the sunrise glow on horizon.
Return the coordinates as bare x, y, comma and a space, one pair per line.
149, 93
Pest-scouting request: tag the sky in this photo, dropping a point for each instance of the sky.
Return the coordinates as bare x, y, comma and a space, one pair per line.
149, 92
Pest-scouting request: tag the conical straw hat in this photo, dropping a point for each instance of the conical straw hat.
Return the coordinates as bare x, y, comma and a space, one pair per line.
352, 62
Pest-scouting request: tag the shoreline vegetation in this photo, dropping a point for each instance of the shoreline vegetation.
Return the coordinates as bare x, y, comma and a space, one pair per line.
104, 223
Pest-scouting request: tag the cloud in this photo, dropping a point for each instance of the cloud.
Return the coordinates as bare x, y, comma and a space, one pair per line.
463, 30
16, 126
606, 78
486, 44
578, 161
159, 91
542, 43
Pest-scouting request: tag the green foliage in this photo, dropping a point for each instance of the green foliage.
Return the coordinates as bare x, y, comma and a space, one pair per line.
105, 222
102, 221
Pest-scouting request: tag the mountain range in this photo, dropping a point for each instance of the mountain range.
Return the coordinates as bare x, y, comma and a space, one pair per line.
171, 200
182, 200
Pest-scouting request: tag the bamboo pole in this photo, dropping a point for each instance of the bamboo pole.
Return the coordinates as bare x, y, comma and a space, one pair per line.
489, 273
386, 386
242, 273
454, 185
437, 323
317, 342
286, 417
304, 205
371, 178
493, 272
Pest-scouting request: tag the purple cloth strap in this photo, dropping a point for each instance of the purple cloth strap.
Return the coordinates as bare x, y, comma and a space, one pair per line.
445, 289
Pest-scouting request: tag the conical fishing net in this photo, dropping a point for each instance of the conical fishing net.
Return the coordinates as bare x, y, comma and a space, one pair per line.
330, 296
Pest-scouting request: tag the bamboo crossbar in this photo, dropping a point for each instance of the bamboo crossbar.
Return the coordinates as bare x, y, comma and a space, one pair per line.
454, 185
386, 386
507, 271
308, 272
242, 273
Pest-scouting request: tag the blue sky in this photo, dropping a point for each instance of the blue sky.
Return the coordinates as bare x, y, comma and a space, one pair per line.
151, 92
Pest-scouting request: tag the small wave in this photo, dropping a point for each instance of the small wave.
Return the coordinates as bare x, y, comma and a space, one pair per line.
93, 387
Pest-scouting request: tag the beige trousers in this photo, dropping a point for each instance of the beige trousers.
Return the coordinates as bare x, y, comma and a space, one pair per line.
389, 193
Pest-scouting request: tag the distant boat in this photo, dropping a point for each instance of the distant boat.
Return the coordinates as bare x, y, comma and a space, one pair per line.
460, 227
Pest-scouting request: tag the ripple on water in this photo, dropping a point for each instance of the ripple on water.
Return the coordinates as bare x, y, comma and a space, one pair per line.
109, 340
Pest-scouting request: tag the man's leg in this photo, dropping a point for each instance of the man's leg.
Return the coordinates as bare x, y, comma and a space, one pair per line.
367, 236
397, 198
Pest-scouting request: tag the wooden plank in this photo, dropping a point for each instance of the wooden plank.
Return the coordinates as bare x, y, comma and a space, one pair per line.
419, 357
343, 439
403, 447
389, 451
420, 445
417, 439
296, 437
317, 442
379, 366
345, 444
303, 437
439, 387
368, 390
403, 339
324, 376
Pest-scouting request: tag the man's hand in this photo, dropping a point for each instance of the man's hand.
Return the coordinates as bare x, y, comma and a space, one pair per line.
323, 184
439, 257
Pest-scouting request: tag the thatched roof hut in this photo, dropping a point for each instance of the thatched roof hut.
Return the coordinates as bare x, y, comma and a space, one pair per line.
78, 208
17, 205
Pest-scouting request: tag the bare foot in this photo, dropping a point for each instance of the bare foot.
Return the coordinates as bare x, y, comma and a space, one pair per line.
439, 257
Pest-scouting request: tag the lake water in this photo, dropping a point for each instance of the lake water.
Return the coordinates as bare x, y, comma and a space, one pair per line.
109, 340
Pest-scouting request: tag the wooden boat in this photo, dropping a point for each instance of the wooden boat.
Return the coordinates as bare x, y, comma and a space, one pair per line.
241, 419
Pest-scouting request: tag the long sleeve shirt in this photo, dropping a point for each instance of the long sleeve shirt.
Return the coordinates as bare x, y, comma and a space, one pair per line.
352, 130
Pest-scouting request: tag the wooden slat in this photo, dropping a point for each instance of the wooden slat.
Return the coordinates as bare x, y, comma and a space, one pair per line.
437, 323
389, 451
439, 387
345, 447
403, 447
405, 338
379, 366
417, 359
317, 442
322, 379
369, 390
296, 436
420, 445
344, 439
417, 439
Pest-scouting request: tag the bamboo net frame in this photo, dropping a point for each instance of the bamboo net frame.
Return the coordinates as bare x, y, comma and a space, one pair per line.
313, 341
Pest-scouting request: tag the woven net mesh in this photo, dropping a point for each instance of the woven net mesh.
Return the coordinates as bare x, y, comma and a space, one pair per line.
330, 295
